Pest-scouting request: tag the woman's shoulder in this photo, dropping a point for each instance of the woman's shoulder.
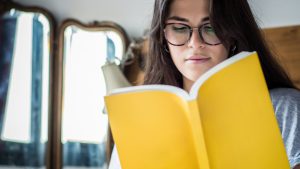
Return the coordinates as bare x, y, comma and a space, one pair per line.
285, 95
285, 101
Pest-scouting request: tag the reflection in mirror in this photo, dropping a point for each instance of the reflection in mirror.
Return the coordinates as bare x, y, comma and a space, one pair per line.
84, 127
24, 87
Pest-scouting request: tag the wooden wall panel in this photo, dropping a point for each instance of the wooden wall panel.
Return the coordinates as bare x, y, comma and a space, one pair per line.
285, 41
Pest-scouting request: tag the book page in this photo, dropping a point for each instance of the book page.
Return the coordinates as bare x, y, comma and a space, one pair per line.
238, 120
216, 69
152, 130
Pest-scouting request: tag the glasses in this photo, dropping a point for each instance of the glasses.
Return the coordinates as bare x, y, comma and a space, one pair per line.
178, 34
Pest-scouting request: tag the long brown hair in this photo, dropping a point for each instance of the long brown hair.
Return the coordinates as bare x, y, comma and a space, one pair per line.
234, 24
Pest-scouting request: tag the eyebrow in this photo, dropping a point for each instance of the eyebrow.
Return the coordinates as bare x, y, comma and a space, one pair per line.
177, 18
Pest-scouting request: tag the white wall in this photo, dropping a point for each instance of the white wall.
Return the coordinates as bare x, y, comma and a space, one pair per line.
135, 15
276, 13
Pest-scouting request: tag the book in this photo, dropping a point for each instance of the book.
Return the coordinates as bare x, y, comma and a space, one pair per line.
226, 121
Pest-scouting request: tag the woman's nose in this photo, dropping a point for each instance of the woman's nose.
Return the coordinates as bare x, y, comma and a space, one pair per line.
195, 40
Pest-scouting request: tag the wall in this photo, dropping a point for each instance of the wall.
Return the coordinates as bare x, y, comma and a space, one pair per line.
276, 13
135, 15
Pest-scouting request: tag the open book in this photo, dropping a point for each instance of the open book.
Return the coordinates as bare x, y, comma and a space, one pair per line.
226, 122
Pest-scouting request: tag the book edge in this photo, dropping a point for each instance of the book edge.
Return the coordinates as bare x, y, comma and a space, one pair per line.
159, 87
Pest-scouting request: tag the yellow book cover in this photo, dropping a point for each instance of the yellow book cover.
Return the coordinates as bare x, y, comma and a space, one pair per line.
226, 122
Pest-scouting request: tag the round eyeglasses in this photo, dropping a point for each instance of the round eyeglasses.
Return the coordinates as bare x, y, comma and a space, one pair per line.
178, 34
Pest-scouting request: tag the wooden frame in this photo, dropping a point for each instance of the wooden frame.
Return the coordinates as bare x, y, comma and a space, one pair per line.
8, 5
59, 73
285, 42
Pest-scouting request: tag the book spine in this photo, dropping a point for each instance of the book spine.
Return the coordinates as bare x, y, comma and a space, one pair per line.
198, 135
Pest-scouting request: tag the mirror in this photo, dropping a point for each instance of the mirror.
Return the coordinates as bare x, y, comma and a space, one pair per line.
85, 139
26, 36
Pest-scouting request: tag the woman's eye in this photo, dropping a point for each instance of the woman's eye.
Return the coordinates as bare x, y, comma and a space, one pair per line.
180, 29
209, 29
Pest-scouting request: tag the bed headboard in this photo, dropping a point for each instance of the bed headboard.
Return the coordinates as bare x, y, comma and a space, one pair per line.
285, 41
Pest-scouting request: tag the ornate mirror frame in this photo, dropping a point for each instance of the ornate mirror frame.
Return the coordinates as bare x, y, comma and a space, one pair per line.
7, 6
59, 79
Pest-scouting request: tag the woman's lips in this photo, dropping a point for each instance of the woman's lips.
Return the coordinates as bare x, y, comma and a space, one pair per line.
197, 59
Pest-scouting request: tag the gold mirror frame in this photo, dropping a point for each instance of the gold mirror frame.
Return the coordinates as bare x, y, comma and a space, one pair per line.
59, 75
5, 7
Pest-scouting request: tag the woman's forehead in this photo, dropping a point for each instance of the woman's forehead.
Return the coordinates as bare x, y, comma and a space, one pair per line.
189, 11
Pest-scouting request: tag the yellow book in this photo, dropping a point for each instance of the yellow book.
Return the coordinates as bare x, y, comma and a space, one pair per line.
226, 122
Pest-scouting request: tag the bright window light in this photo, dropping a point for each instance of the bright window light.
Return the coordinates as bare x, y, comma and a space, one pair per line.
45, 75
17, 117
16, 125
84, 86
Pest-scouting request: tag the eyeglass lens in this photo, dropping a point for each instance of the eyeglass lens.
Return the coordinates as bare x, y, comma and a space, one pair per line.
179, 34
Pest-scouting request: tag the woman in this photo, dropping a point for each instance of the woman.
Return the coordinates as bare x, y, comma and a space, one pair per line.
188, 37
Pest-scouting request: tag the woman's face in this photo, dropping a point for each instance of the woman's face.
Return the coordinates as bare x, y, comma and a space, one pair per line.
194, 57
